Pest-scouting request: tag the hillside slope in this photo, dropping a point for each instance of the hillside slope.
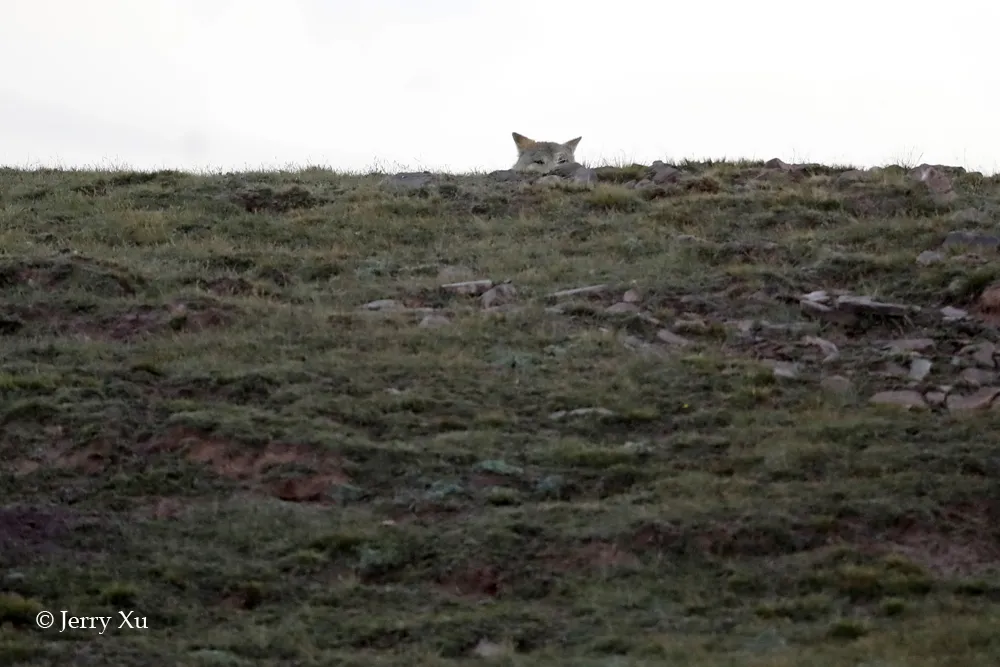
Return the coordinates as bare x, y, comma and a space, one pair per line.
709, 414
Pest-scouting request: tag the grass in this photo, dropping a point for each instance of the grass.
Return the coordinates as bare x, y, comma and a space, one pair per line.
202, 424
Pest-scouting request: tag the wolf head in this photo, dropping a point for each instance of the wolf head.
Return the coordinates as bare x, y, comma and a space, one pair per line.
542, 156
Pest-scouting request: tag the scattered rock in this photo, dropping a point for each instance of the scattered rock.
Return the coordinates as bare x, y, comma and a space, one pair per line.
783, 369
937, 182
669, 337
977, 377
836, 384
936, 398
384, 304
829, 349
663, 174
979, 400
434, 321
906, 399
929, 257
920, 368
631, 296
863, 305
622, 307
970, 216
581, 412
953, 314
971, 238
910, 345
470, 287
579, 291
498, 295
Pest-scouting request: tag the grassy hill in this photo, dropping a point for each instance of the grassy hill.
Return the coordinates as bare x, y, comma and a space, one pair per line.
268, 413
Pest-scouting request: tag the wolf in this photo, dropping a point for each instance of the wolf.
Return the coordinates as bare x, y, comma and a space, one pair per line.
542, 157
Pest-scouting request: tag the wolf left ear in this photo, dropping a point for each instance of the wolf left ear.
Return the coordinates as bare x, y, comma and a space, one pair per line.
522, 142
571, 144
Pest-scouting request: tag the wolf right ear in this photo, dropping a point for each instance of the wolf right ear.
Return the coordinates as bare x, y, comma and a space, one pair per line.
572, 143
522, 142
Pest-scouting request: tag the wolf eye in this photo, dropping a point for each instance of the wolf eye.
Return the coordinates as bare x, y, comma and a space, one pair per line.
539, 160
562, 159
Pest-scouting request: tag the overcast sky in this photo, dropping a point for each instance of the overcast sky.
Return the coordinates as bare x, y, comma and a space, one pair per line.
441, 84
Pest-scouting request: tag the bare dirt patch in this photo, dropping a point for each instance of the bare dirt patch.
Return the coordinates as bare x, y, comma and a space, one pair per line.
257, 466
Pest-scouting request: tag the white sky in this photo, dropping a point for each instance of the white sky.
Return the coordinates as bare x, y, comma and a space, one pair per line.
441, 84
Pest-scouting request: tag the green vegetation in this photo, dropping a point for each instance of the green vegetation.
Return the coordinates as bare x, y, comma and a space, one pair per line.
200, 421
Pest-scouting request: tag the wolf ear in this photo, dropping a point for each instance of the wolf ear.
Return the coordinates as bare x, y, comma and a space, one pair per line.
522, 142
571, 144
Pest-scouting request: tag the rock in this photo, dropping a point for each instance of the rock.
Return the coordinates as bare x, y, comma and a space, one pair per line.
691, 325
631, 296
434, 321
498, 295
977, 377
853, 176
664, 174
868, 306
622, 307
920, 368
989, 300
669, 337
979, 400
953, 314
929, 257
935, 397
383, 304
825, 346
489, 650
970, 216
836, 384
776, 163
910, 344
819, 296
937, 182
982, 353
581, 412
470, 287
970, 238
579, 291
783, 369
906, 399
